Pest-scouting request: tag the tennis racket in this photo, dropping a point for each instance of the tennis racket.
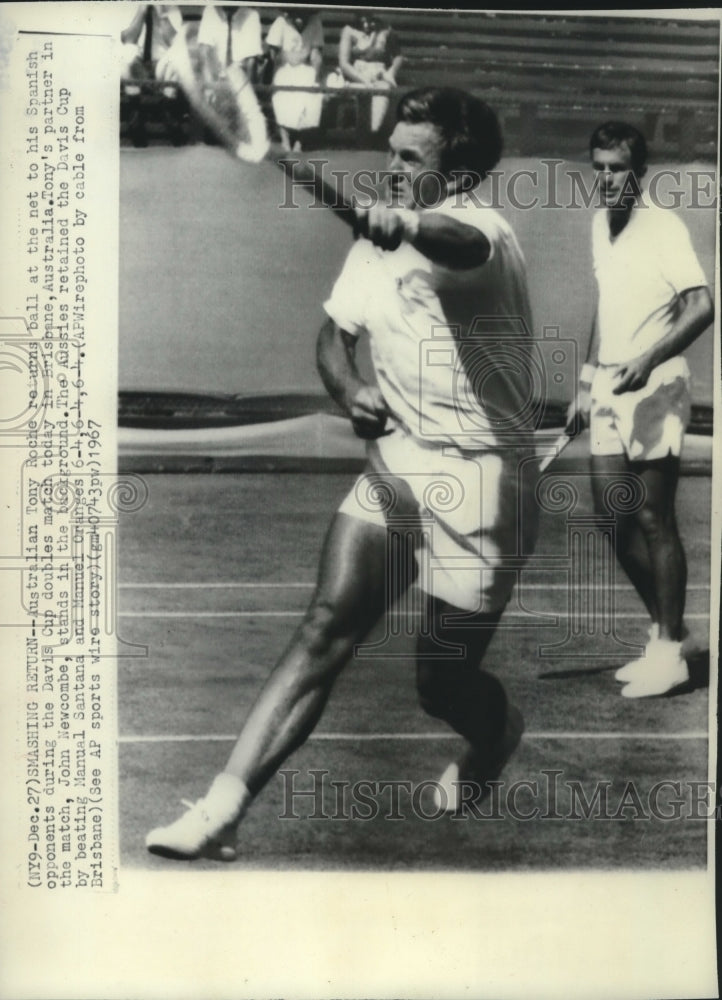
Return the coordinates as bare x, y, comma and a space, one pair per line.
231, 113
573, 429
560, 443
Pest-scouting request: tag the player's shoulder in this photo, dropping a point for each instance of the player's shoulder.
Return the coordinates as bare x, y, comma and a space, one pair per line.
468, 207
660, 219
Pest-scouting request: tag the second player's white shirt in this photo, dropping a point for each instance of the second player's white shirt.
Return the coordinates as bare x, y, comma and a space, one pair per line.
449, 346
641, 275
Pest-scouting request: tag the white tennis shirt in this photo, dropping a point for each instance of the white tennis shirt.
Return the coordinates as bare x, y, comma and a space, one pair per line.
449, 346
641, 275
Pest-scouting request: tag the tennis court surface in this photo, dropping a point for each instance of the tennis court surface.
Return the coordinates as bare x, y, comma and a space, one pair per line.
223, 294
215, 573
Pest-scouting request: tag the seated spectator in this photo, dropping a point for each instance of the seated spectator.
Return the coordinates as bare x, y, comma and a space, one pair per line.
369, 56
296, 40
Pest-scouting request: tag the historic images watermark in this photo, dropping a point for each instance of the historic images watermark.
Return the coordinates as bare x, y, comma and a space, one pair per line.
548, 795
552, 184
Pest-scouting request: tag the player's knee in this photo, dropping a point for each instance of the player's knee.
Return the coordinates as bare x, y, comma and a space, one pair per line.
325, 629
435, 688
655, 522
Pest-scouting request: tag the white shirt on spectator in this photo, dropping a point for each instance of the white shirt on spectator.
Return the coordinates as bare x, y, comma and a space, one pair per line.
245, 33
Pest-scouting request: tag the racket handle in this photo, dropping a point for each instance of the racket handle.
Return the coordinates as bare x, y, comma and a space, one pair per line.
558, 447
571, 431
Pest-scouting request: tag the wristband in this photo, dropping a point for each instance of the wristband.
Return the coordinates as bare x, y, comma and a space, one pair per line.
410, 221
586, 376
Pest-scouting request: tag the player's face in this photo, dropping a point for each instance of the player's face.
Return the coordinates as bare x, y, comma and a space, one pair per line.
415, 152
618, 182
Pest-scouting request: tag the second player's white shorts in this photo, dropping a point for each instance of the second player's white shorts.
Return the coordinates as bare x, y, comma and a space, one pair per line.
474, 514
643, 425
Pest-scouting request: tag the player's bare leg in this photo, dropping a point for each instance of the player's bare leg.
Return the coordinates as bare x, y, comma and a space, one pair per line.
658, 522
651, 553
632, 548
471, 700
453, 687
349, 599
351, 594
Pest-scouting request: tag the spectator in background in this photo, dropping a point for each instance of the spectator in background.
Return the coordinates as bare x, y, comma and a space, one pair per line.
229, 49
369, 56
296, 41
152, 46
229, 36
148, 42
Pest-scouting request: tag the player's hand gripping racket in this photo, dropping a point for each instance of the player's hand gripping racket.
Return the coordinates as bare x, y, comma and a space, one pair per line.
229, 109
574, 426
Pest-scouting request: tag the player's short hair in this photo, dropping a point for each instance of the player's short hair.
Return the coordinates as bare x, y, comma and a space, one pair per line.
469, 127
613, 134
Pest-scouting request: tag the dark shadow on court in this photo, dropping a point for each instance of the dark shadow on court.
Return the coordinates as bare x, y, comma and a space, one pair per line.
557, 675
698, 664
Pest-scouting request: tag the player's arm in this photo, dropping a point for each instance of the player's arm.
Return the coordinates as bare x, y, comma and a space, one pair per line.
697, 312
441, 238
336, 358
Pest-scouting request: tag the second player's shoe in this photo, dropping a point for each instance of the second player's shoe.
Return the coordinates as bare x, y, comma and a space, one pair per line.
626, 673
467, 780
663, 669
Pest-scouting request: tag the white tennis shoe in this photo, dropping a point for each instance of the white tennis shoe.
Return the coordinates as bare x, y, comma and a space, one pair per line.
207, 828
662, 670
627, 673
466, 780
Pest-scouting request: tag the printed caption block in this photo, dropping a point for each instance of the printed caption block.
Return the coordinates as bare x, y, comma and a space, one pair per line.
58, 335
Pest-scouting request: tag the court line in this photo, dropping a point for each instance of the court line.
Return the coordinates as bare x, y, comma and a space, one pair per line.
373, 737
309, 586
640, 616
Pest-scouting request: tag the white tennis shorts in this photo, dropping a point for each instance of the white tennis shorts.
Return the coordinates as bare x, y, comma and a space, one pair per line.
646, 424
474, 514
